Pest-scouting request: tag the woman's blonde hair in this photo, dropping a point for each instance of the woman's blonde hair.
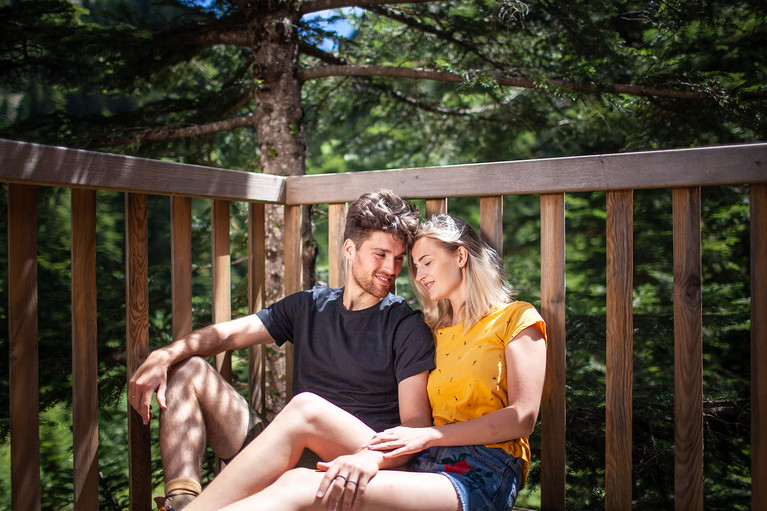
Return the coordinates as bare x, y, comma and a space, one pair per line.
486, 286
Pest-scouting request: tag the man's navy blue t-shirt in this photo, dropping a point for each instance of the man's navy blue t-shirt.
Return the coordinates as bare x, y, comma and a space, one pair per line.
354, 359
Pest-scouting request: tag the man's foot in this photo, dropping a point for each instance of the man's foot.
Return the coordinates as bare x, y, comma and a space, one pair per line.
174, 501
178, 494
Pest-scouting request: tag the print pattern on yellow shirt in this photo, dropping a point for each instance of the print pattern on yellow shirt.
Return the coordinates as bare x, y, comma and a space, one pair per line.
470, 378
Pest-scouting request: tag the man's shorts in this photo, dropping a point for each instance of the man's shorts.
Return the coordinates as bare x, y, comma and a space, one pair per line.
485, 478
256, 424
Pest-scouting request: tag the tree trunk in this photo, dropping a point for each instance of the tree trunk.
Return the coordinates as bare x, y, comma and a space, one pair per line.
280, 128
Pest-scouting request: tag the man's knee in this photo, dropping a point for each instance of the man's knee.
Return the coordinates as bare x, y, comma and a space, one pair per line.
190, 371
185, 378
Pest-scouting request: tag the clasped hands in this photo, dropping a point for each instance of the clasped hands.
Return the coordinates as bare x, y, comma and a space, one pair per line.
346, 477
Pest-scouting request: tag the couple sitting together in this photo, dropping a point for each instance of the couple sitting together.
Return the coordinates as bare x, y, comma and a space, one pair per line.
406, 410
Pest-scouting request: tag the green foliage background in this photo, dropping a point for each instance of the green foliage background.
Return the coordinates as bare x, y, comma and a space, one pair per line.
72, 98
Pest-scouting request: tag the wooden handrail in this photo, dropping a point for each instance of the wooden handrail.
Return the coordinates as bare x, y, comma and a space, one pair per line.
26, 163
706, 166
684, 170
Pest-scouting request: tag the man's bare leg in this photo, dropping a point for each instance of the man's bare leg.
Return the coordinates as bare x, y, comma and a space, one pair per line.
201, 408
307, 421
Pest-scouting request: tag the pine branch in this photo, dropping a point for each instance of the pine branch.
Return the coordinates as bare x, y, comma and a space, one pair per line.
445, 35
176, 133
321, 5
317, 53
523, 82
430, 107
220, 33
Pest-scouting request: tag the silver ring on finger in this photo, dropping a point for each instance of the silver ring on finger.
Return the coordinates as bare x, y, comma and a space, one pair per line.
342, 477
352, 482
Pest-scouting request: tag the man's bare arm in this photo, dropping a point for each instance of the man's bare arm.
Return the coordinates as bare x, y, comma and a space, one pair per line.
152, 375
414, 411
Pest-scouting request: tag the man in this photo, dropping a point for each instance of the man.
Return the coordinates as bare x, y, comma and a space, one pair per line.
359, 347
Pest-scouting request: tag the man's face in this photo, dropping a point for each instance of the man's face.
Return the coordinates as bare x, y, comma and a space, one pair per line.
376, 263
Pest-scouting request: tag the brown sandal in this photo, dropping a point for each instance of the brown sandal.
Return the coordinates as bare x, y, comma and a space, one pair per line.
164, 503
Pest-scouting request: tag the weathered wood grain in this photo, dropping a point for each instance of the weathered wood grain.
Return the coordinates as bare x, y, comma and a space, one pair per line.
620, 342
22, 347
84, 351
221, 261
293, 277
137, 343
181, 265
759, 346
256, 300
688, 350
491, 222
553, 311
715, 165
436, 207
336, 259
22, 162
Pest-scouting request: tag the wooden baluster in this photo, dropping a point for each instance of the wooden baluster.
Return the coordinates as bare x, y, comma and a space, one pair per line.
435, 207
181, 265
758, 346
293, 277
256, 299
688, 350
221, 265
491, 222
84, 350
22, 347
336, 259
553, 312
620, 342
137, 341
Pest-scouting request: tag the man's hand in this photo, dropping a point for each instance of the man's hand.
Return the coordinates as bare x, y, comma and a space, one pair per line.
347, 477
150, 377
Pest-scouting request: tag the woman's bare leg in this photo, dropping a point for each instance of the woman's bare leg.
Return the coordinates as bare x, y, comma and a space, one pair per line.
307, 421
389, 490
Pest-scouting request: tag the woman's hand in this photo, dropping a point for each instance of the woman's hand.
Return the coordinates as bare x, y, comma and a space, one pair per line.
347, 477
403, 440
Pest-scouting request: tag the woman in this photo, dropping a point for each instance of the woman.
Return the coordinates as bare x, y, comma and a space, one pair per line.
485, 395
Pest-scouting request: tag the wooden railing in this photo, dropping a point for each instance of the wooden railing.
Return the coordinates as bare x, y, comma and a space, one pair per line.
25, 166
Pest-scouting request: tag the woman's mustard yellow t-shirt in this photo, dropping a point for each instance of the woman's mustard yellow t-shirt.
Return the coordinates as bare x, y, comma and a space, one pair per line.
470, 376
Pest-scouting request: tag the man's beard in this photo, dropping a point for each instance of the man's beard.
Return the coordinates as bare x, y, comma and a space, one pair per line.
368, 283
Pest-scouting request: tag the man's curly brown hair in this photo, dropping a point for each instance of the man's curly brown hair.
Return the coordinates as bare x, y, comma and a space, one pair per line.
381, 210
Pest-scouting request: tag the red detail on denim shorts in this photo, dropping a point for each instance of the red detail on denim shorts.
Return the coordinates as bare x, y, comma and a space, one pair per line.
459, 468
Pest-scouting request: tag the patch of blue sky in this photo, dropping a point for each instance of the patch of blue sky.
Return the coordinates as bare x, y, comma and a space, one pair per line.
333, 21
330, 20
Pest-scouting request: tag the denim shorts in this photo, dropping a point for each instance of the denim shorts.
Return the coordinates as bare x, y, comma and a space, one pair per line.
485, 478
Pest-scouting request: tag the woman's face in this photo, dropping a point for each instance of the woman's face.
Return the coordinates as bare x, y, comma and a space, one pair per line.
439, 270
